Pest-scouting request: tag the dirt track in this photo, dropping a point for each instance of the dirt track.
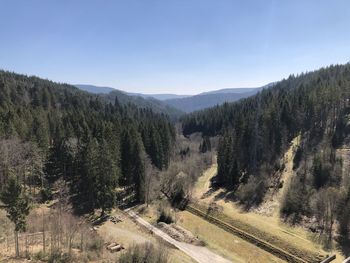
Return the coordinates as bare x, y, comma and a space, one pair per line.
200, 254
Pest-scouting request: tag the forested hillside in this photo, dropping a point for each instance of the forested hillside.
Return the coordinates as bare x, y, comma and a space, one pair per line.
139, 100
256, 132
53, 131
207, 100
94, 89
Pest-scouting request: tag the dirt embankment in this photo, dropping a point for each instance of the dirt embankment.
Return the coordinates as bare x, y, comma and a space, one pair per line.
179, 233
280, 183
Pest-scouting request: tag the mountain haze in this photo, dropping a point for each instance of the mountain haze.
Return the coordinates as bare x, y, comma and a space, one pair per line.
162, 97
110, 94
233, 90
210, 99
173, 104
105, 90
152, 103
94, 89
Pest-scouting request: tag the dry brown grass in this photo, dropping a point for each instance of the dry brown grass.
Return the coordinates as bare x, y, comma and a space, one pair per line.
218, 240
271, 227
128, 234
224, 243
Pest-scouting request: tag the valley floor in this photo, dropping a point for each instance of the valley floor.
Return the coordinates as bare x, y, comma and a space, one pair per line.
128, 233
264, 220
217, 240
200, 253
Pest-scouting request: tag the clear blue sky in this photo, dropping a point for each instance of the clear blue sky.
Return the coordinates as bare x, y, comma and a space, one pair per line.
177, 46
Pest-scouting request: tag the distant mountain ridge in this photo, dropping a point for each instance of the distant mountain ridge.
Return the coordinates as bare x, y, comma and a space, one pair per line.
94, 89
183, 103
162, 97
105, 90
110, 94
207, 100
213, 98
150, 102
232, 90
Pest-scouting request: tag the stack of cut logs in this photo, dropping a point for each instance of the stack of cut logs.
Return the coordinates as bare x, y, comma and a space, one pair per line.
114, 247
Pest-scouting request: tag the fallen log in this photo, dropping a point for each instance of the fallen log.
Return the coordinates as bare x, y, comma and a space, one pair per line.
111, 245
116, 248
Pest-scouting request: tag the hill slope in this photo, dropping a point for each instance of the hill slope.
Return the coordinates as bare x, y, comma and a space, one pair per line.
161, 97
104, 90
257, 131
172, 104
233, 90
124, 98
210, 99
94, 89
78, 137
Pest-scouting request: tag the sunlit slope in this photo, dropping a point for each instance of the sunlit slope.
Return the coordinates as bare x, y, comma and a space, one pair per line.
263, 222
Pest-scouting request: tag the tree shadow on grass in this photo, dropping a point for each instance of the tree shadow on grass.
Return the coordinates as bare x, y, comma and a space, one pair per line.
227, 195
344, 245
209, 192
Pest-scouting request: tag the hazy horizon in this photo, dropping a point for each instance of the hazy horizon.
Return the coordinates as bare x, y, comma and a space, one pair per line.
163, 93
182, 47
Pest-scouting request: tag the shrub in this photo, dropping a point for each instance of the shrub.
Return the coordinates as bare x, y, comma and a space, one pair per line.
297, 157
165, 216
144, 253
296, 200
280, 184
46, 194
96, 244
40, 255
252, 193
60, 257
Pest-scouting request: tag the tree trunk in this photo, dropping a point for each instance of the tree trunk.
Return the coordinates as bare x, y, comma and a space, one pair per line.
44, 245
81, 241
44, 237
70, 245
16, 244
27, 252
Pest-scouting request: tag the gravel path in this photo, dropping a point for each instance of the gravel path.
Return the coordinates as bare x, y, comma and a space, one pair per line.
200, 254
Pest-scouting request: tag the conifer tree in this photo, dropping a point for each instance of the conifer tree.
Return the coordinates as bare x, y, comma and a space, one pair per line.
16, 206
107, 176
87, 172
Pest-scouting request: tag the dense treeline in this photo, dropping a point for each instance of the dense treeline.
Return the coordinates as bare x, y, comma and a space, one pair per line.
255, 132
79, 137
157, 106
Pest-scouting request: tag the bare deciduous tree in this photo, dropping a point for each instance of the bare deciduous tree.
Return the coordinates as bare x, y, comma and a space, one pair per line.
324, 205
